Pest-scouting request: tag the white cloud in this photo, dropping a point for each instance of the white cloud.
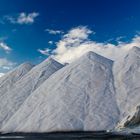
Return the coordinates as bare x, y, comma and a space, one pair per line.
6, 67
54, 32
50, 42
5, 47
6, 64
23, 18
1, 74
76, 42
81, 33
45, 51
27, 18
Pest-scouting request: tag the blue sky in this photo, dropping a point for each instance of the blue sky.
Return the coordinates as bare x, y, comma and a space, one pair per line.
31, 30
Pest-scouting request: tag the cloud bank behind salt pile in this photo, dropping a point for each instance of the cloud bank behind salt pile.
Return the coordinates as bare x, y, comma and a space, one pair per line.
76, 42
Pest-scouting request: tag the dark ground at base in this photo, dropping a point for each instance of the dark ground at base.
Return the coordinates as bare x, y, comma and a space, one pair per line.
76, 135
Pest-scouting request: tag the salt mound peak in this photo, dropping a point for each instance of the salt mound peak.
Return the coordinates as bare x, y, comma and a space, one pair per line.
10, 78
133, 53
135, 49
96, 57
14, 98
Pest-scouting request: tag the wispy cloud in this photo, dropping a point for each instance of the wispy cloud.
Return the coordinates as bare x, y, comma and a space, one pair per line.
50, 42
120, 38
1, 74
54, 32
22, 18
45, 51
6, 64
5, 47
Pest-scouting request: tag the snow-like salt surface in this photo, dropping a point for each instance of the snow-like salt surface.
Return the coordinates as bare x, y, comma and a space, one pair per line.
80, 96
11, 101
84, 95
8, 80
127, 82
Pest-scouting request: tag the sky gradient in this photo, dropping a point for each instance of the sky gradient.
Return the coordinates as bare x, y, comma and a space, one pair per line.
33, 30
